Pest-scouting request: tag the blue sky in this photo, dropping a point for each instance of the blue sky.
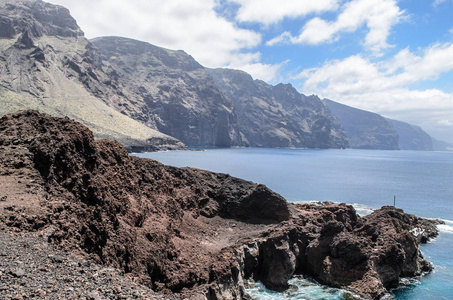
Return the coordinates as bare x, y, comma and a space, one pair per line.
391, 57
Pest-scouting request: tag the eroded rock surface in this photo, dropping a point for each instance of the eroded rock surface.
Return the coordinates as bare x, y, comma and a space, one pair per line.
186, 232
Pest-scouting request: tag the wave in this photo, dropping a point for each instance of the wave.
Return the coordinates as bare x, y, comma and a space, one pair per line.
447, 227
300, 288
362, 209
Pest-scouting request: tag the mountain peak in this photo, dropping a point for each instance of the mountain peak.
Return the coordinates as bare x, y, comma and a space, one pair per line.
37, 18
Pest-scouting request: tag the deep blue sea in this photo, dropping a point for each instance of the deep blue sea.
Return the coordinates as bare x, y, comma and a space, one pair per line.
421, 181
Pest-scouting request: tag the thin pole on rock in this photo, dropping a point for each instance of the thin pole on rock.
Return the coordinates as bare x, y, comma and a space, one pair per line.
394, 201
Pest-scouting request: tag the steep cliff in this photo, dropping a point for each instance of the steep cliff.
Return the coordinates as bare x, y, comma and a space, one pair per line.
411, 137
364, 129
169, 91
278, 116
185, 232
441, 145
205, 107
48, 64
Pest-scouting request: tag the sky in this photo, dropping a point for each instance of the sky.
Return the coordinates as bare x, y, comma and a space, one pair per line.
392, 57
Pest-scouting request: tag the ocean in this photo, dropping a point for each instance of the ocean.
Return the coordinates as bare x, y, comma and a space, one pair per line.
420, 181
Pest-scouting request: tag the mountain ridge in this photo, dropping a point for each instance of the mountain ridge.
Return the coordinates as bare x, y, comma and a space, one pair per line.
151, 98
49, 65
373, 131
168, 80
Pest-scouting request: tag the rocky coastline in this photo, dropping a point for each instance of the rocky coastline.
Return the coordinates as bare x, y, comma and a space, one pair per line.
179, 232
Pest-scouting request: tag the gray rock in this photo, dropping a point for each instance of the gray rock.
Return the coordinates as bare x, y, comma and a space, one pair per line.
169, 91
17, 272
56, 258
278, 116
93, 296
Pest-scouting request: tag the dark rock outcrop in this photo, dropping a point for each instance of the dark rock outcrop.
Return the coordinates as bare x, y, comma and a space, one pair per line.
364, 129
188, 232
278, 116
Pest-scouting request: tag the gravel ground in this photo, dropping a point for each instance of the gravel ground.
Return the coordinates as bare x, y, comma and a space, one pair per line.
30, 268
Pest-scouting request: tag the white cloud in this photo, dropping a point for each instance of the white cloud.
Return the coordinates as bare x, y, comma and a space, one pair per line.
378, 15
385, 87
192, 26
272, 11
438, 2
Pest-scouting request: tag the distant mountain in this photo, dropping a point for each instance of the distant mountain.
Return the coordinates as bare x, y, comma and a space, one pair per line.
151, 98
278, 116
144, 96
367, 130
364, 129
441, 145
412, 137
48, 64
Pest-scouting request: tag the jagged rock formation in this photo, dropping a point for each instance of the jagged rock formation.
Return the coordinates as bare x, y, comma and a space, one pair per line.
47, 64
411, 137
364, 129
188, 232
278, 116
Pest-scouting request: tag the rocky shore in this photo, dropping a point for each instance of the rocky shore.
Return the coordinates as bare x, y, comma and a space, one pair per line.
67, 199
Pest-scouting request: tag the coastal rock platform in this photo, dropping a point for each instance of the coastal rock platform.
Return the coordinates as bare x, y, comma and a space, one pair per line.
184, 232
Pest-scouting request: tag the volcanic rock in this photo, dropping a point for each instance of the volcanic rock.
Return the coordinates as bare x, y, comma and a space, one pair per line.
186, 232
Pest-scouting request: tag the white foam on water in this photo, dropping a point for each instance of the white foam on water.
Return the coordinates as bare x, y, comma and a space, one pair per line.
300, 288
362, 209
447, 227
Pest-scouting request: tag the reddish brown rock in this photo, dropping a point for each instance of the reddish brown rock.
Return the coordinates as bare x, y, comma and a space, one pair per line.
188, 232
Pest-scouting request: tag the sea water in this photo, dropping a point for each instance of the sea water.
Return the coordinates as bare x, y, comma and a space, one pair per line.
421, 182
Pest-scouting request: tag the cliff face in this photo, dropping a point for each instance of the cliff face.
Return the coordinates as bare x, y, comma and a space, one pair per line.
278, 116
187, 232
203, 107
365, 130
441, 145
47, 64
412, 137
169, 91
